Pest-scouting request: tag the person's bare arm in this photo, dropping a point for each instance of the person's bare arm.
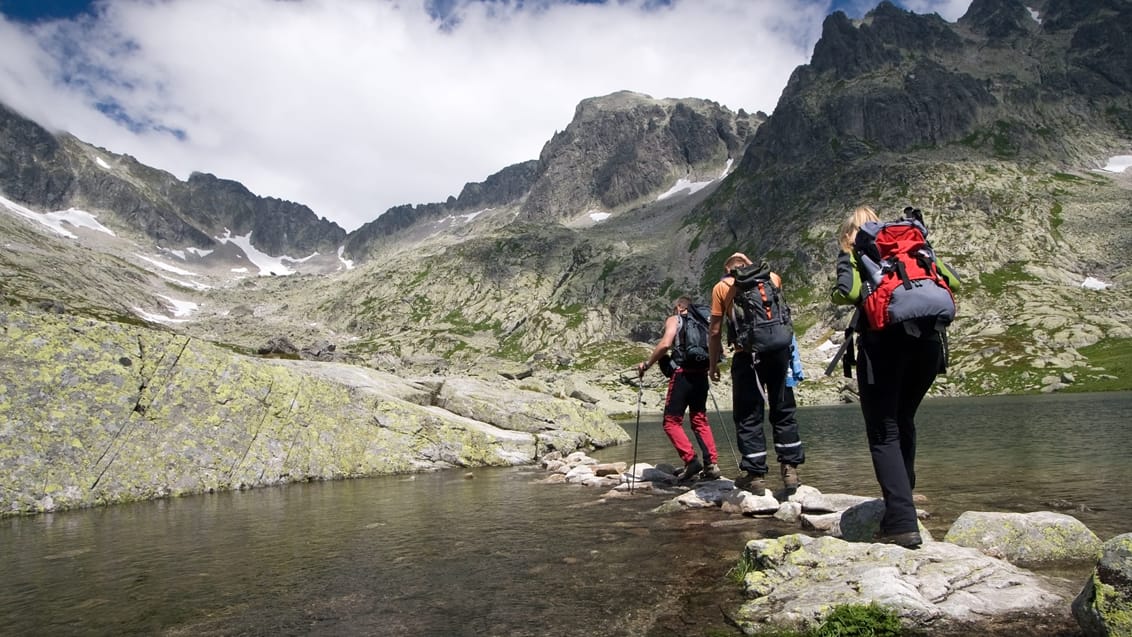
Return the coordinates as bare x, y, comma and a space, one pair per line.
715, 346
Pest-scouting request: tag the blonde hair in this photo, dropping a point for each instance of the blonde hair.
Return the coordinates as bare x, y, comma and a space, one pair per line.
852, 224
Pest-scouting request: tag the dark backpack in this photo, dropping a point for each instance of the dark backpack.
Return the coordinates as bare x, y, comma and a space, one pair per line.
690, 351
760, 320
900, 274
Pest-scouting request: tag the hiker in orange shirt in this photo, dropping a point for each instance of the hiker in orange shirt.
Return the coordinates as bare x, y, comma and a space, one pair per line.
752, 371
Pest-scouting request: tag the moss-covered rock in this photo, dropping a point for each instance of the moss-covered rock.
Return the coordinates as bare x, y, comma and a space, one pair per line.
1027, 539
795, 581
95, 412
1104, 606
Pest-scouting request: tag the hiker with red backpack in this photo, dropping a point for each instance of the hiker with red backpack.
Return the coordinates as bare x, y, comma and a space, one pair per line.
903, 295
749, 299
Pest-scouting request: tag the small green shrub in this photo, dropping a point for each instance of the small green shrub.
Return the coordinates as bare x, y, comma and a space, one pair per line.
575, 314
850, 620
1055, 216
859, 620
739, 572
608, 268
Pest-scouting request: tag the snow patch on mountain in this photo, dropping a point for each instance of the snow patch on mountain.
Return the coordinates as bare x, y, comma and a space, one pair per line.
54, 220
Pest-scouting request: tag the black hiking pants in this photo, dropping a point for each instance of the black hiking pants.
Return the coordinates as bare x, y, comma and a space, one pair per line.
894, 372
749, 409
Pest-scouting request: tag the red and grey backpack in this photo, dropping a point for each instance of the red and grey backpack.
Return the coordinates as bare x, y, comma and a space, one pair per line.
901, 277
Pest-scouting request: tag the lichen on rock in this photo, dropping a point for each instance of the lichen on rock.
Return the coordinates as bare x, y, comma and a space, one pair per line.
96, 412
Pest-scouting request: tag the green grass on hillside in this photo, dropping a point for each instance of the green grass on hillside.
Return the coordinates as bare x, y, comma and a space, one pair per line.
996, 282
1114, 355
621, 355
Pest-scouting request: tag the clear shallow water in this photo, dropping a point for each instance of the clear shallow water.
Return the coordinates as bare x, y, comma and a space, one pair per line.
1007, 453
500, 553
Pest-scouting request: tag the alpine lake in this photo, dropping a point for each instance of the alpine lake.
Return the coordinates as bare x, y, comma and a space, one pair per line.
501, 552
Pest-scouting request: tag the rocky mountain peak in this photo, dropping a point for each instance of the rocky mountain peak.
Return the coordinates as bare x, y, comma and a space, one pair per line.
30, 169
999, 145
882, 38
622, 147
891, 101
53, 171
1000, 20
504, 188
277, 226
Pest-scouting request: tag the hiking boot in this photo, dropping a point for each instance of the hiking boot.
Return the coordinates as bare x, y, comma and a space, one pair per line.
790, 476
711, 472
753, 482
908, 539
691, 470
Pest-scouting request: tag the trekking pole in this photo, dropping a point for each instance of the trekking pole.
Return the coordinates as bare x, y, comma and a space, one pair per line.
837, 357
734, 454
846, 345
636, 433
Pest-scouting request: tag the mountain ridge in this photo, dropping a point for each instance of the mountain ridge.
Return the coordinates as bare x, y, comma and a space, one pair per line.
568, 262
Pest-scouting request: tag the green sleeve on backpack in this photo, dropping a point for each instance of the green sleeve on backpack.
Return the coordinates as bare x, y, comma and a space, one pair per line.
847, 290
952, 278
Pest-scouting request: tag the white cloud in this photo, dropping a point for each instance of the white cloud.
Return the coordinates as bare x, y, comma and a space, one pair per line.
354, 106
950, 10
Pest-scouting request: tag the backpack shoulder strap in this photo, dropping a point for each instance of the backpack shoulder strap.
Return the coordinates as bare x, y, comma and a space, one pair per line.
700, 314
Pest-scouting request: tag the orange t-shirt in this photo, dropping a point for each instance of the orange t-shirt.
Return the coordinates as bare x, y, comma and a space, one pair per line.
723, 296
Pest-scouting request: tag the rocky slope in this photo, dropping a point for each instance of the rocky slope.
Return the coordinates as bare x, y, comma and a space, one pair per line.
560, 270
132, 322
481, 275
996, 127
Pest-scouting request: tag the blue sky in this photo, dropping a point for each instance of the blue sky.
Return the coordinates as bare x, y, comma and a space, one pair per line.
35, 10
355, 106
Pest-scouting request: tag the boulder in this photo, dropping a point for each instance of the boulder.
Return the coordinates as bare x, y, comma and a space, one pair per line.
113, 412
747, 503
860, 522
795, 580
1104, 606
1026, 539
